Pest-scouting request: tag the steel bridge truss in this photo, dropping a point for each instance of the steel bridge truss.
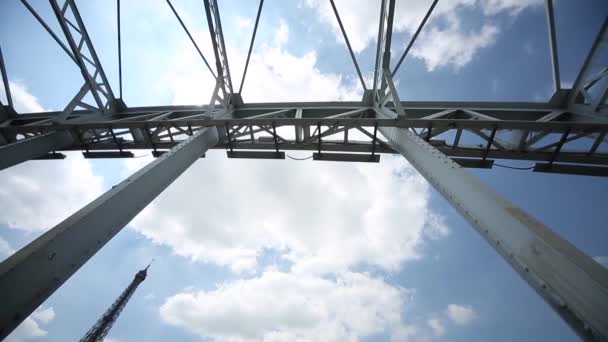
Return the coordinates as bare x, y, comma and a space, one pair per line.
565, 135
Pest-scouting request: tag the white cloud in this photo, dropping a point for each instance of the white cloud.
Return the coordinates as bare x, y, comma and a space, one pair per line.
23, 100
44, 316
513, 7
602, 260
461, 314
31, 328
274, 74
436, 326
438, 47
323, 217
284, 307
529, 48
243, 23
452, 46
36, 195
5, 249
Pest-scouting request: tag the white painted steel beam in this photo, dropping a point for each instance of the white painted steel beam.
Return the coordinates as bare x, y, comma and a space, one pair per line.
30, 148
572, 283
31, 275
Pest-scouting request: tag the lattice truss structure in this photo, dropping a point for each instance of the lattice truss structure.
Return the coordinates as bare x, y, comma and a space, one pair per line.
564, 135
101, 328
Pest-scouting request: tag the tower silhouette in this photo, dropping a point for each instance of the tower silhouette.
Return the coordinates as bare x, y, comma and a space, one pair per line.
101, 328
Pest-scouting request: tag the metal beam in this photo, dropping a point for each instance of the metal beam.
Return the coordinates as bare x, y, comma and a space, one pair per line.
94, 81
414, 37
219, 48
553, 45
191, 38
388, 35
579, 98
572, 283
380, 41
30, 148
48, 29
32, 274
7, 89
255, 30
118, 40
350, 49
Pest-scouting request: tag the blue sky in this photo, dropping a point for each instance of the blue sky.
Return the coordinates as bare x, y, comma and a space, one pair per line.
285, 250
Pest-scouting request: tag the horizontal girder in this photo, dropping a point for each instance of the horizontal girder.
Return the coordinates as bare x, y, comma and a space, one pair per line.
524, 131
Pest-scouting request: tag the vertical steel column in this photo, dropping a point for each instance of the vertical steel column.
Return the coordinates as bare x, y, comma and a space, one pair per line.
572, 283
31, 275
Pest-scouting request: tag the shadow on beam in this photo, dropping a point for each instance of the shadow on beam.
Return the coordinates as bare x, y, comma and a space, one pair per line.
571, 169
347, 157
108, 154
50, 156
474, 163
157, 154
256, 155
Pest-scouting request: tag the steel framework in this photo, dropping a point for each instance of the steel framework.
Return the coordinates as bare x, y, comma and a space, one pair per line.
564, 135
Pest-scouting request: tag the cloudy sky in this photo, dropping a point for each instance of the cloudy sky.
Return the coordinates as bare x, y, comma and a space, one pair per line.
299, 250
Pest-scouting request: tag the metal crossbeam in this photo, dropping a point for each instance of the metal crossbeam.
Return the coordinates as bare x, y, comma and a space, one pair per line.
537, 120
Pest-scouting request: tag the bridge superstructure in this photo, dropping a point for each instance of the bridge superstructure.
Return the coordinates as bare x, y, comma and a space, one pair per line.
564, 135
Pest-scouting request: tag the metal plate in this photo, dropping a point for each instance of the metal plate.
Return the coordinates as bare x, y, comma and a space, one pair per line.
347, 157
